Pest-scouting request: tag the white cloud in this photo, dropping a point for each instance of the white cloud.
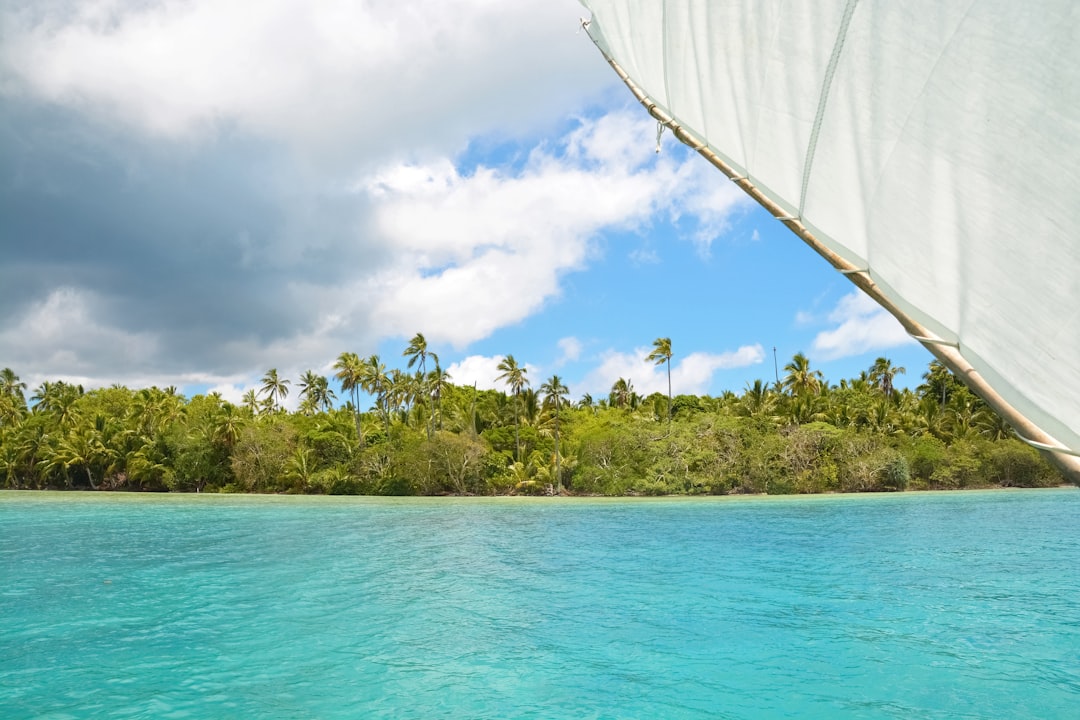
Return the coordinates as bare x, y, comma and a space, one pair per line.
479, 252
569, 350
863, 326
231, 392
61, 338
483, 371
328, 76
691, 374
711, 199
311, 152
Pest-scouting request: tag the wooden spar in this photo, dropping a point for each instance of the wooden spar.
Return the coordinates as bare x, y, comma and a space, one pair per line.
948, 355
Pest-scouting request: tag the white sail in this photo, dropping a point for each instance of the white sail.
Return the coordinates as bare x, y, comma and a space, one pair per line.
934, 144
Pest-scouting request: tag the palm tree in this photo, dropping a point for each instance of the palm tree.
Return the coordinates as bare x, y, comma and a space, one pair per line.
226, 426
514, 376
757, 400
882, 373
58, 398
438, 380
349, 374
10, 385
374, 380
251, 402
83, 448
940, 383
622, 394
308, 386
417, 351
12, 398
800, 378
275, 388
323, 396
554, 391
661, 354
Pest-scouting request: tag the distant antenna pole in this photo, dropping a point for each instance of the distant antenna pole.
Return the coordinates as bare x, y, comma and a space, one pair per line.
775, 367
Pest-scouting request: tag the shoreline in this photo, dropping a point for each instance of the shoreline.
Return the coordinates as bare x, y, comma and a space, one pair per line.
107, 495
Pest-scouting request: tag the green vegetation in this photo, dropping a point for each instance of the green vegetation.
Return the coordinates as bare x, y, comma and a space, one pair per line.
424, 435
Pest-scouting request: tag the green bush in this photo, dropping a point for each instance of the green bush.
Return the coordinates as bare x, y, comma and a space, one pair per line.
1011, 463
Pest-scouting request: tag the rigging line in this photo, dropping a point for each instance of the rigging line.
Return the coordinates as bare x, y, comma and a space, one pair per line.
826, 86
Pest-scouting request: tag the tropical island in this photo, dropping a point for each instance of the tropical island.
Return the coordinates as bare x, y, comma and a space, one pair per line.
424, 435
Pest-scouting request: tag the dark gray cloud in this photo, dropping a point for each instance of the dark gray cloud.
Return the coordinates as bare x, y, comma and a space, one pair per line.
184, 183
197, 243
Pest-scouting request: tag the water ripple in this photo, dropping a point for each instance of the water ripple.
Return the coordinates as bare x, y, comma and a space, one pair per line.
930, 606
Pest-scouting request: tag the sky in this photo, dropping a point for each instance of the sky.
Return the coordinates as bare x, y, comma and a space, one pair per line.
193, 192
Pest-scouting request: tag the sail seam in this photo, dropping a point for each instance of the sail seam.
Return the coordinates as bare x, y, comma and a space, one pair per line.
826, 86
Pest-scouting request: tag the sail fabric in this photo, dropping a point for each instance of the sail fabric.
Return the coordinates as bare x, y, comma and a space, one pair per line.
935, 143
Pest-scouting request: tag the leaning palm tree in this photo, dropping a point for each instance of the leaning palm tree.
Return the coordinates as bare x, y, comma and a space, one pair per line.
554, 391
661, 354
275, 388
514, 376
350, 373
417, 351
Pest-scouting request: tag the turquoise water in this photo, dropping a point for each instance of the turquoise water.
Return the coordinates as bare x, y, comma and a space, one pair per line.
952, 605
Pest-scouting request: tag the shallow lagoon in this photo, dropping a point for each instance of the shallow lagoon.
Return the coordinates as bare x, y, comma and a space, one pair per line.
950, 605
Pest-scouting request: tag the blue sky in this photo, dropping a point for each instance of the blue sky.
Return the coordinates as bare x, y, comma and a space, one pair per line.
195, 192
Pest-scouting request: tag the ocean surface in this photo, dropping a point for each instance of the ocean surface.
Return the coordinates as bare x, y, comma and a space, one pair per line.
921, 605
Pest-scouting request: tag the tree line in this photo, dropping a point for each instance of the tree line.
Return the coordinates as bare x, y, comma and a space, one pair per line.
424, 435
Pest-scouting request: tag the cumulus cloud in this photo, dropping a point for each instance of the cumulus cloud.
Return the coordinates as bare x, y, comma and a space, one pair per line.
231, 392
337, 78
486, 250
862, 326
195, 191
483, 370
689, 375
66, 323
